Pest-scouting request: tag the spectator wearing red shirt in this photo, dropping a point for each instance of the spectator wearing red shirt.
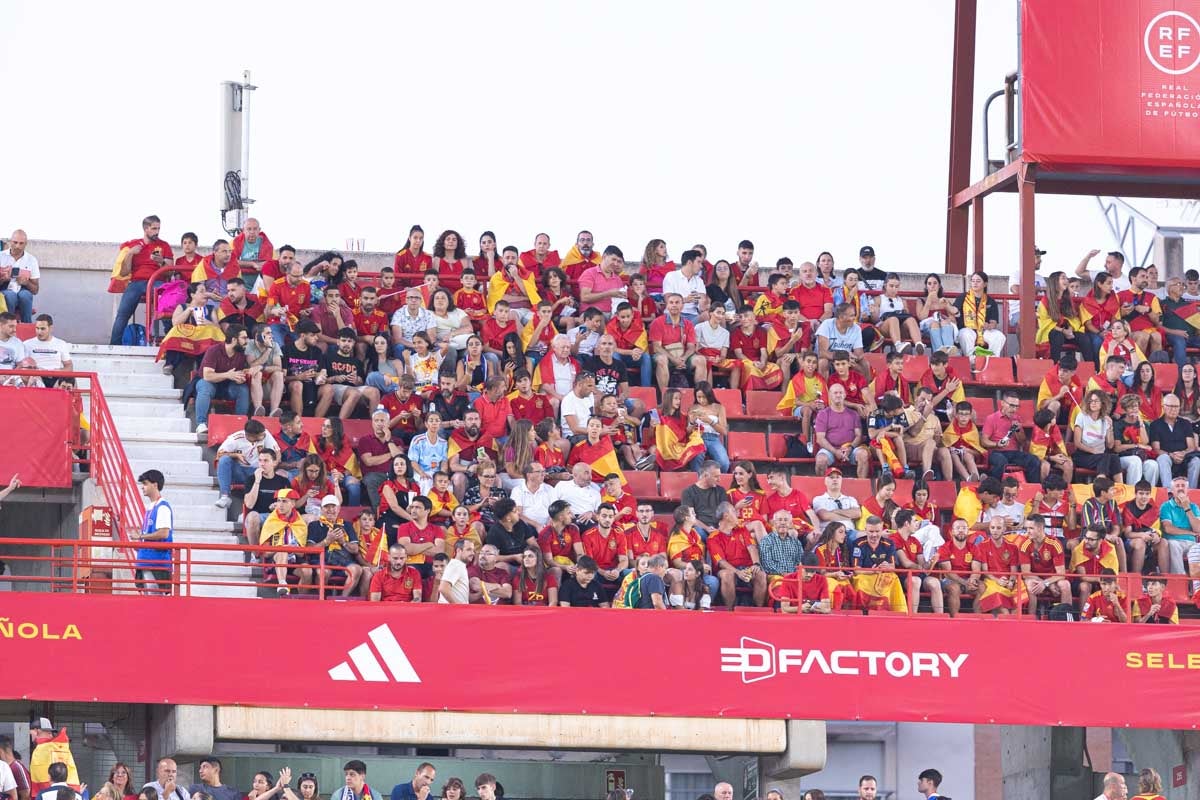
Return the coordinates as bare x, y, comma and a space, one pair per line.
526, 404
495, 410
142, 258
735, 558
369, 321
783, 497
289, 300
645, 536
491, 581
399, 583
607, 546
421, 538
534, 585
954, 560
1156, 606
803, 591
1108, 603
1043, 559
673, 345
815, 299
1004, 438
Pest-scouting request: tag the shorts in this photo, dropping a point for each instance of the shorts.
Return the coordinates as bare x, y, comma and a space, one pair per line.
339, 391
899, 316
853, 454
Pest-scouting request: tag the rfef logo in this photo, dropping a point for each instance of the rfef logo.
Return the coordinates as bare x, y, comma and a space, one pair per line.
1172, 42
756, 660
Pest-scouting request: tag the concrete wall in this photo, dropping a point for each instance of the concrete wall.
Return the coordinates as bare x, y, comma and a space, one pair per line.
31, 513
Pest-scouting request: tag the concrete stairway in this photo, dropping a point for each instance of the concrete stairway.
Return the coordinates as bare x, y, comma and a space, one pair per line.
156, 435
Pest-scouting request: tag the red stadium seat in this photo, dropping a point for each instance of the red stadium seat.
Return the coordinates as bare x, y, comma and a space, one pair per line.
1166, 376
646, 394
355, 428
726, 480
731, 399
642, 485
686, 398
1025, 412
943, 494
777, 450
747, 445
961, 366
914, 368
312, 426
1084, 372
858, 488
983, 406
220, 426
903, 493
673, 483
1031, 371
811, 485
876, 361
26, 330
994, 372
761, 405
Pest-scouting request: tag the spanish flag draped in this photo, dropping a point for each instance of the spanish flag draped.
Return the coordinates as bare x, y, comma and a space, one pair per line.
1107, 559
344, 460
957, 396
974, 311
51, 750
1189, 313
1045, 444
477, 449
880, 590
885, 448
576, 263
631, 337
372, 544
802, 389
1126, 349
1099, 312
500, 284
117, 282
266, 250
756, 378
884, 383
1051, 385
779, 335
768, 306
675, 445
280, 532
191, 339
205, 271
601, 457
1046, 324
994, 595
544, 371
960, 436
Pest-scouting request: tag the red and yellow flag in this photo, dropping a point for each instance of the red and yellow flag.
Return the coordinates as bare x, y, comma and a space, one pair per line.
883, 590
676, 446
994, 595
801, 389
501, 282
601, 457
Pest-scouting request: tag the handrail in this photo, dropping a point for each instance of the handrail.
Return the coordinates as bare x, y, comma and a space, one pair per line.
187, 557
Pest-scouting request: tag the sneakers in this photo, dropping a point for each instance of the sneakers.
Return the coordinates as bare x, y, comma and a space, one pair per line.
259, 411
202, 428
224, 501
277, 412
646, 462
918, 349
167, 369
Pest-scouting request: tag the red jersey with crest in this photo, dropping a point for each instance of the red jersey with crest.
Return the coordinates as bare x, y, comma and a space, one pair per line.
910, 546
535, 408
605, 550
1001, 559
960, 558
651, 543
1043, 559
796, 503
559, 544
751, 344
370, 324
854, 383
492, 333
733, 547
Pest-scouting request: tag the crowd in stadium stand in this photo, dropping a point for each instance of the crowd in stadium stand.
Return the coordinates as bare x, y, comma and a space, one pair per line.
510, 392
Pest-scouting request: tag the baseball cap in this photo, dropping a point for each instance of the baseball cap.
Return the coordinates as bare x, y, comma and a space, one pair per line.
1037, 251
330, 500
287, 494
41, 722
832, 471
866, 250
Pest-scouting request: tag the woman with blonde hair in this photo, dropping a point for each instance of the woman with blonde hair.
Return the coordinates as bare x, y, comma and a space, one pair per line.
518, 453
1149, 785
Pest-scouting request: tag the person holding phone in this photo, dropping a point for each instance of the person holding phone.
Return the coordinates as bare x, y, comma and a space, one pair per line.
19, 276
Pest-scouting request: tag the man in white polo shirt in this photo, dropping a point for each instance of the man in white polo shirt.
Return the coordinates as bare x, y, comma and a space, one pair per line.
47, 350
19, 276
687, 283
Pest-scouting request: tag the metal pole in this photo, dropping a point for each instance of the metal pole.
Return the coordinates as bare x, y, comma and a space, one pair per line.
247, 88
1026, 187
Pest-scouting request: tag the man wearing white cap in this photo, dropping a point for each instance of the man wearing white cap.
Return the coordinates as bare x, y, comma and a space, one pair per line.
341, 547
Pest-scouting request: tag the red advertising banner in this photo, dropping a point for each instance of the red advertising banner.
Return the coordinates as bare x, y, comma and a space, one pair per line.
575, 661
42, 457
1111, 82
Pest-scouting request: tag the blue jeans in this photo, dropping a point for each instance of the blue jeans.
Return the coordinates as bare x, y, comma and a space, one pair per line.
133, 295
280, 331
239, 393
1178, 343
716, 450
376, 381
645, 367
353, 489
945, 335
230, 471
21, 304
713, 585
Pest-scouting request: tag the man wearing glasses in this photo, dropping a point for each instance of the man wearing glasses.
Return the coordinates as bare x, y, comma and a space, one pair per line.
1004, 437
1174, 440
1092, 558
1180, 519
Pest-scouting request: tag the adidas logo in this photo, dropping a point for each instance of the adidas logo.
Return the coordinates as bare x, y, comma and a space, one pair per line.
368, 666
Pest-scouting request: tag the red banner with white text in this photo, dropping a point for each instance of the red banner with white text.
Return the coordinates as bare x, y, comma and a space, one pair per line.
572, 661
1111, 82
38, 426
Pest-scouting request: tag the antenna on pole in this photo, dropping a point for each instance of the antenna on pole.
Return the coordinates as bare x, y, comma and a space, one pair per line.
235, 153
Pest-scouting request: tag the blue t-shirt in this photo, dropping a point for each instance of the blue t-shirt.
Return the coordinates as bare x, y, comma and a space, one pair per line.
868, 557
403, 791
1172, 513
651, 584
157, 517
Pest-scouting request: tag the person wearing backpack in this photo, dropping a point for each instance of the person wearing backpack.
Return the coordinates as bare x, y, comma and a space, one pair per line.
652, 589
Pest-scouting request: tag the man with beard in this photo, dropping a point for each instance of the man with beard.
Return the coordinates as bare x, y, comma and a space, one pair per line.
140, 259
468, 449
224, 373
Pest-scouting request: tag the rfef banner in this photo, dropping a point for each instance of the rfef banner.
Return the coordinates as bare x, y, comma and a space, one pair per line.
38, 422
393, 656
1111, 82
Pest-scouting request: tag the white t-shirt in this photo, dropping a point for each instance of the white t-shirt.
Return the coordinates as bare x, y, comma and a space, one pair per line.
49, 355
564, 375
535, 505
582, 499
678, 283
580, 407
711, 338
460, 585
849, 341
844, 502
1119, 284
7, 782
26, 262
11, 352
1015, 512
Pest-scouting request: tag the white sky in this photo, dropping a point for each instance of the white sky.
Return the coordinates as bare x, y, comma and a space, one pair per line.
803, 125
